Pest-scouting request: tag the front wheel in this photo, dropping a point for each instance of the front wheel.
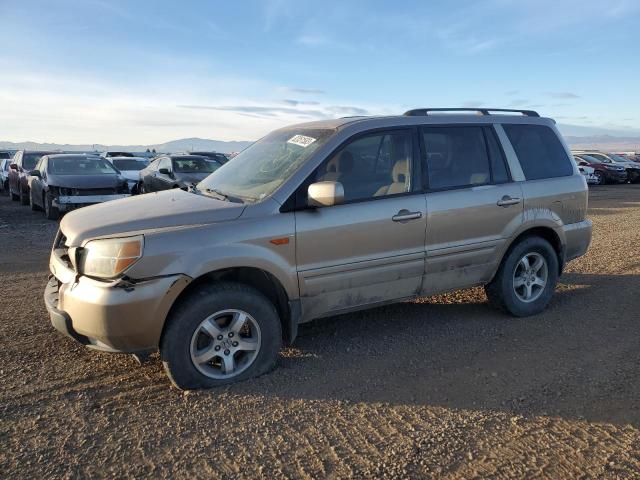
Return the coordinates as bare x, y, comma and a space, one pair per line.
600, 180
526, 279
32, 204
220, 334
50, 211
24, 196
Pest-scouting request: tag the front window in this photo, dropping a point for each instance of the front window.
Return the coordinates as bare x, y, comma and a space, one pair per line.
127, 164
80, 166
194, 165
260, 169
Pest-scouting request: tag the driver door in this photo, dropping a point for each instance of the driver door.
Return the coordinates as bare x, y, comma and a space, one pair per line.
371, 248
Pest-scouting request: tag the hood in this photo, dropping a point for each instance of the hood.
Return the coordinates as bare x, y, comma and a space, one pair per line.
84, 181
190, 178
170, 208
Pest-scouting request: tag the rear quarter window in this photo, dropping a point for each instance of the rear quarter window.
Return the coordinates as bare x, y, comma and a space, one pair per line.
539, 151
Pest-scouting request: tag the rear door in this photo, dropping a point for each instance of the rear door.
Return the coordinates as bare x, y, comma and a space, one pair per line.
370, 249
473, 205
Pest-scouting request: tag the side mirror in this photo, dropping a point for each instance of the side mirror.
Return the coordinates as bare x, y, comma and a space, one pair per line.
325, 194
164, 171
13, 166
35, 173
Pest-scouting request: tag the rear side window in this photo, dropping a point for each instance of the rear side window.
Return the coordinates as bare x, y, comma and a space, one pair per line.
539, 151
456, 157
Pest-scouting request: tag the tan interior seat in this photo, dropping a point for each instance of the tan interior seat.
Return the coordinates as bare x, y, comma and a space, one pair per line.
337, 167
400, 177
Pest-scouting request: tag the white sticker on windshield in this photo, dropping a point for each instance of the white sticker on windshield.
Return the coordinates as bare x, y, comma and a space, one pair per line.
301, 140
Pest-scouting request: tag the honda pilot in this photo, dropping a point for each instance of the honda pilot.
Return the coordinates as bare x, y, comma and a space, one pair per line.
319, 219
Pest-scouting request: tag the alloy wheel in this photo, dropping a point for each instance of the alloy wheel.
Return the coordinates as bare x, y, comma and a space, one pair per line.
530, 277
225, 344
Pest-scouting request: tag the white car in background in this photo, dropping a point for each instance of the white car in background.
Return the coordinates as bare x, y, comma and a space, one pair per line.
130, 168
588, 172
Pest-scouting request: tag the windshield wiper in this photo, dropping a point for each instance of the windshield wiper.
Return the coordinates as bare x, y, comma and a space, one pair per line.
223, 196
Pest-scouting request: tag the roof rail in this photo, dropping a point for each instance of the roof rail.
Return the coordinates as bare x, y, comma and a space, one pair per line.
479, 111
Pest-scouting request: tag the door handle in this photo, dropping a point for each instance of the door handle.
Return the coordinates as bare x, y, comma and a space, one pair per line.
406, 215
507, 201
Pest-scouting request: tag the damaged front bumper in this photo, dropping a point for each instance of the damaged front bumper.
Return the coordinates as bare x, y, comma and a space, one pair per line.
68, 202
112, 316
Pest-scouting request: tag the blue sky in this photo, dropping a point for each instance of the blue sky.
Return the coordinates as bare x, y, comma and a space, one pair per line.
98, 71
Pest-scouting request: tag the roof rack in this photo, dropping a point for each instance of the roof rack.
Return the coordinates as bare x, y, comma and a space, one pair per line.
479, 111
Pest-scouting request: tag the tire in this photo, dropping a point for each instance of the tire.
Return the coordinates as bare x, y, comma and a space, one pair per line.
24, 199
600, 177
5, 187
503, 292
141, 189
51, 212
184, 337
32, 204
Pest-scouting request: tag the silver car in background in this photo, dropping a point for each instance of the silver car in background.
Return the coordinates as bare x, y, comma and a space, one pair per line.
316, 220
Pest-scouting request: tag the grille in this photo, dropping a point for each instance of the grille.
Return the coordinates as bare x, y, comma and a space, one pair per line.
94, 191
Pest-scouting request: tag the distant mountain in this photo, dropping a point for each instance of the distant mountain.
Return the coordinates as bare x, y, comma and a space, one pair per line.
602, 142
182, 145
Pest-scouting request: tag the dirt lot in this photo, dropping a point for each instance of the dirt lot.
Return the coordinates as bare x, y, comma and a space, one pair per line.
442, 387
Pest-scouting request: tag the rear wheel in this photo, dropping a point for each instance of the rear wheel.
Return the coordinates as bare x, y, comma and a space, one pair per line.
50, 211
526, 279
220, 334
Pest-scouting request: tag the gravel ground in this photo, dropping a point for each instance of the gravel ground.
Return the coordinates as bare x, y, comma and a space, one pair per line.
441, 387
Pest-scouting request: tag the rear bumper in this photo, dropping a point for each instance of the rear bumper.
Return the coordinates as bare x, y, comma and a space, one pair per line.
578, 238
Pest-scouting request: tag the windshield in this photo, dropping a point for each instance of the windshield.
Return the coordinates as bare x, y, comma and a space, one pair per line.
590, 159
29, 160
80, 166
617, 158
4, 155
261, 168
129, 164
194, 165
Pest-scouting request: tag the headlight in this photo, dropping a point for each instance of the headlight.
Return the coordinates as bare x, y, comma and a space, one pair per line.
110, 257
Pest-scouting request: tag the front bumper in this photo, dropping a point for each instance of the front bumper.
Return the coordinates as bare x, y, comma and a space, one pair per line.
110, 316
615, 176
66, 202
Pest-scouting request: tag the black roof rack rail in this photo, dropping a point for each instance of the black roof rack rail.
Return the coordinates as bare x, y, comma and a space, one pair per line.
480, 111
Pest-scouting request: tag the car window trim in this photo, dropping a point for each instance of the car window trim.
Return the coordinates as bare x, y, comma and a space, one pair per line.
292, 203
423, 151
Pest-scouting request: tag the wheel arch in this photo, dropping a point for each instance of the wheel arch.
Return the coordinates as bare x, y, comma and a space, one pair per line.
263, 281
548, 234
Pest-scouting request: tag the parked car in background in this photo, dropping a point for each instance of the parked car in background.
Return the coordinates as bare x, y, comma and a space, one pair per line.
221, 158
606, 172
114, 153
632, 168
588, 172
319, 219
64, 182
129, 168
23, 162
4, 175
176, 171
